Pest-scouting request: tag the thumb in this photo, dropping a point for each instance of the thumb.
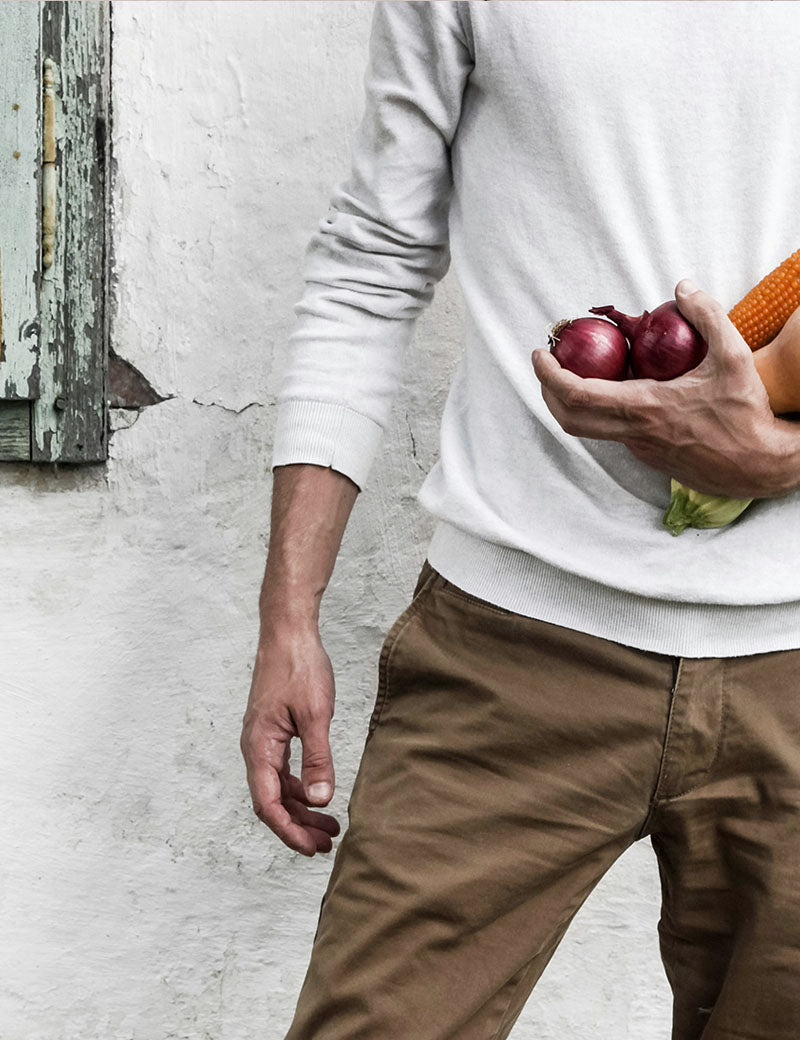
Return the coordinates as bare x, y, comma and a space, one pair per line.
699, 309
710, 319
317, 768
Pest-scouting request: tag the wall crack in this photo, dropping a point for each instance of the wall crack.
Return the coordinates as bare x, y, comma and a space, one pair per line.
417, 463
227, 408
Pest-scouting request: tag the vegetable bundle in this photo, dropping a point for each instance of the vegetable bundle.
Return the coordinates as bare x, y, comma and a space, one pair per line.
663, 345
771, 309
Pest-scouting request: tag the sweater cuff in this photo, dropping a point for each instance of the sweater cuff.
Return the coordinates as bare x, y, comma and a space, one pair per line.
326, 434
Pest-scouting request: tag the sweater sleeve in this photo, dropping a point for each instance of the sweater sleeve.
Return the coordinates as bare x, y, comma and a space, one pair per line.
373, 263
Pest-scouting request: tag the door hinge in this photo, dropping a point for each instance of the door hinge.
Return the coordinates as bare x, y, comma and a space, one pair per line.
48, 163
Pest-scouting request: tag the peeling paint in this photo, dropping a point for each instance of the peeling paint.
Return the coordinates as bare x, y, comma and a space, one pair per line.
73, 287
19, 217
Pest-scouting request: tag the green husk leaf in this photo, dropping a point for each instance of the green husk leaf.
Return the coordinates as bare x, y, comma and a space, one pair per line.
689, 508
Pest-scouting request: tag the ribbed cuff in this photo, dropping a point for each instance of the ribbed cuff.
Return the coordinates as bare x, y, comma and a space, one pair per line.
326, 434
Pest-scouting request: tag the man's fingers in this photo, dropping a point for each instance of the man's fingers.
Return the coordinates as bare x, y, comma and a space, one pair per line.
711, 320
583, 419
300, 828
317, 821
279, 799
699, 309
563, 384
614, 397
266, 758
273, 812
317, 767
295, 792
320, 825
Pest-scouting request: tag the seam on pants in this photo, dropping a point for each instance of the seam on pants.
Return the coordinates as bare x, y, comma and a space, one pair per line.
383, 687
548, 949
523, 974
389, 647
723, 723
662, 764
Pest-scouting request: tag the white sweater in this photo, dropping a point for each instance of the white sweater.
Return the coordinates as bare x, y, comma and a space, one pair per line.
567, 154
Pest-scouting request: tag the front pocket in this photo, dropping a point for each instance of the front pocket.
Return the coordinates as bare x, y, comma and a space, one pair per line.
428, 577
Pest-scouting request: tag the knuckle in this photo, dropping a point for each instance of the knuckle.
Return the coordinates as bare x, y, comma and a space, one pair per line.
705, 304
714, 320
316, 757
736, 362
312, 714
248, 749
248, 743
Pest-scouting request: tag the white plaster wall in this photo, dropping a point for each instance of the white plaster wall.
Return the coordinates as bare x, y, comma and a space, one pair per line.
141, 898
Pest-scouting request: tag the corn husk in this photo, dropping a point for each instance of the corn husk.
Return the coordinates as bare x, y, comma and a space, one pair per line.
689, 508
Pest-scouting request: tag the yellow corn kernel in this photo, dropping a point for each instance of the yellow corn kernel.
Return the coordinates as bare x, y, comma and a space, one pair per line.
763, 312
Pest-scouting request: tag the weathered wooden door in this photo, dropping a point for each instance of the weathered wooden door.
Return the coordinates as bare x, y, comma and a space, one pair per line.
53, 160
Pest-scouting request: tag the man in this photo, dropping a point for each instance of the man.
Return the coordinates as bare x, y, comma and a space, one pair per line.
568, 677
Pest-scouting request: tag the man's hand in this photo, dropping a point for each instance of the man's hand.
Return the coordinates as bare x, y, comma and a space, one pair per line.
711, 428
291, 695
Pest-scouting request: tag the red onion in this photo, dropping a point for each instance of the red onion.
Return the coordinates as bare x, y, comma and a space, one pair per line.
590, 347
663, 343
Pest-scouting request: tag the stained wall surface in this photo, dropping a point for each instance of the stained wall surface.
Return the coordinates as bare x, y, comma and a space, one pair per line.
142, 899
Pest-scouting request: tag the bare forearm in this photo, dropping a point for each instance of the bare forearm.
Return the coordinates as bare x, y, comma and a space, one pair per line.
310, 509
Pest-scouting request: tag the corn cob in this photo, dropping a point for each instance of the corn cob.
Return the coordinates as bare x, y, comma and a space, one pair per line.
759, 317
763, 312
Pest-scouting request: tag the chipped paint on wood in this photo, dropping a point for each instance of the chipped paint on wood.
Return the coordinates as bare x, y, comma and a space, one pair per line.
15, 430
19, 198
54, 316
49, 170
73, 288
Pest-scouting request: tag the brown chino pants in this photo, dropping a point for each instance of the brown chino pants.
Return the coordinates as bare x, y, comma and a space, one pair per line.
508, 763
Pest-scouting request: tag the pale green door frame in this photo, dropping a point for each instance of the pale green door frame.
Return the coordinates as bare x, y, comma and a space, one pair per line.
53, 360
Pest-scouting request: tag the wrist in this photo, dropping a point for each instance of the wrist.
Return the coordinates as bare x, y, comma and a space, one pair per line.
285, 626
278, 612
291, 594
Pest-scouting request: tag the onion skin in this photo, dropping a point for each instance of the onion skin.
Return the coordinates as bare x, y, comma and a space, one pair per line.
590, 347
664, 345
